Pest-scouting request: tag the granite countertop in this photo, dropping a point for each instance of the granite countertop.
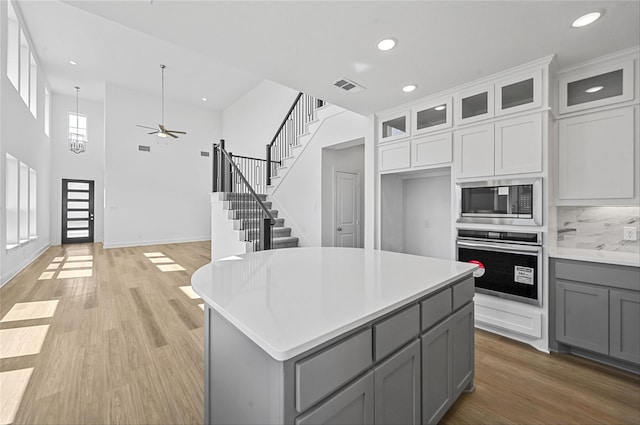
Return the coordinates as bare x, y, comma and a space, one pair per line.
288, 301
598, 256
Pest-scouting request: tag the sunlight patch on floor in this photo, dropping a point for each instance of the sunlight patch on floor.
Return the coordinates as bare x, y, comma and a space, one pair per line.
69, 274
161, 260
189, 292
78, 265
12, 386
170, 267
46, 276
153, 254
80, 258
31, 310
23, 341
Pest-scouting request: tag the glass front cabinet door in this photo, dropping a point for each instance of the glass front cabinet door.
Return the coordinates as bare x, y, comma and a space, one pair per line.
474, 104
596, 86
393, 127
431, 116
519, 92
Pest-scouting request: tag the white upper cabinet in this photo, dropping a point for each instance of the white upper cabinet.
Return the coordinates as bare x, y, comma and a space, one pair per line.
431, 150
596, 86
519, 92
596, 156
475, 151
518, 145
431, 116
394, 156
393, 127
474, 104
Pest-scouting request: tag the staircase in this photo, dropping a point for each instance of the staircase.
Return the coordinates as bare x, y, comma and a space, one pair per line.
248, 226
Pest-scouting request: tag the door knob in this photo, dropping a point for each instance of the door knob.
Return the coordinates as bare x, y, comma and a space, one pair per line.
339, 229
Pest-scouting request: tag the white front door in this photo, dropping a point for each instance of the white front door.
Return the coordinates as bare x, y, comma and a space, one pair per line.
347, 209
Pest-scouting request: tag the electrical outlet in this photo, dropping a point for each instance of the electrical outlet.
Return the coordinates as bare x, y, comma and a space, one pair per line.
630, 234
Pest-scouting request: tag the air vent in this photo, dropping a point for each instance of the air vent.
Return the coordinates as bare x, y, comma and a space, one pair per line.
348, 85
144, 148
204, 153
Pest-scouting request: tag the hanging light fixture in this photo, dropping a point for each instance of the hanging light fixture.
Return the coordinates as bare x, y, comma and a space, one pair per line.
77, 136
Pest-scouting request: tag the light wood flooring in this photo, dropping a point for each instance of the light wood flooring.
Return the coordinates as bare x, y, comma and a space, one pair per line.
123, 344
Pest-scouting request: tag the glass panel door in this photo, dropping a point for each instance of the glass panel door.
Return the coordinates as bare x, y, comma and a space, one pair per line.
77, 211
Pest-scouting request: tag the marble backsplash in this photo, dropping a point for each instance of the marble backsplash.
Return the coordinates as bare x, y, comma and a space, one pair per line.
597, 228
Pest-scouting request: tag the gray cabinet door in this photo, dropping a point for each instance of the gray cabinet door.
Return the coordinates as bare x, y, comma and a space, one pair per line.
437, 345
352, 405
397, 388
463, 353
582, 316
625, 328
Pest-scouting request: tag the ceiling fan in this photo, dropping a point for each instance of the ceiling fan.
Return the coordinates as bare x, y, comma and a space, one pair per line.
162, 131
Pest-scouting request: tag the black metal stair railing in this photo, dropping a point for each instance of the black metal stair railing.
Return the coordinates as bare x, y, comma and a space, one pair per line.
246, 206
302, 111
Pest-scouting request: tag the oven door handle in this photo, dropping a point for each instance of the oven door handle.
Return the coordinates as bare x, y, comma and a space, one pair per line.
502, 247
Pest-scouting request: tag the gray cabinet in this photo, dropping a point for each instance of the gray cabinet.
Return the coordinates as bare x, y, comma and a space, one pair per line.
624, 310
437, 369
582, 316
463, 353
397, 388
596, 311
352, 405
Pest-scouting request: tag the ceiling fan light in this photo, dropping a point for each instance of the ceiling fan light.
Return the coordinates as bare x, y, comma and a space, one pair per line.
161, 134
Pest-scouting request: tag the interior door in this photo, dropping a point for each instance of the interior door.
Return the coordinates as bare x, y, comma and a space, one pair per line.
347, 209
77, 211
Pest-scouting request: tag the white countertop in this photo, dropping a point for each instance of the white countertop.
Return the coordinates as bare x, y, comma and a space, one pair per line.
597, 256
290, 300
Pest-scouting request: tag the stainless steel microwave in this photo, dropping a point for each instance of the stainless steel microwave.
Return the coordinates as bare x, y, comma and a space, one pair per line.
517, 202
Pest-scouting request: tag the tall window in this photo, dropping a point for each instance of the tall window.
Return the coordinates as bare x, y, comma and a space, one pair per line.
13, 46
77, 127
33, 203
24, 68
12, 201
23, 219
47, 111
33, 86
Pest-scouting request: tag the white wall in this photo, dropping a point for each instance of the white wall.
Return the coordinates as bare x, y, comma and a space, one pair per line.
391, 214
252, 121
299, 196
427, 216
162, 196
88, 165
23, 137
340, 159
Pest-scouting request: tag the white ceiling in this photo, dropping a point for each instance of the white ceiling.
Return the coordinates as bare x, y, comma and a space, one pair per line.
221, 49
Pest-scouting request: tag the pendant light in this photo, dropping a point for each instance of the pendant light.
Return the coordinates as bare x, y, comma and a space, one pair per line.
77, 141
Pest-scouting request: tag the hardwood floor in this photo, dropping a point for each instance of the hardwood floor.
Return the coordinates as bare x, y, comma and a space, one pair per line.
123, 344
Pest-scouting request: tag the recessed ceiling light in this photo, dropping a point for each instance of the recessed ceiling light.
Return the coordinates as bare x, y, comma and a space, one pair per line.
594, 89
386, 44
409, 88
440, 107
587, 19
73, 63
204, 99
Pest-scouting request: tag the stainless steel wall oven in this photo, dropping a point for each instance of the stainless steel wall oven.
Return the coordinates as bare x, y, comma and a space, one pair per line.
510, 263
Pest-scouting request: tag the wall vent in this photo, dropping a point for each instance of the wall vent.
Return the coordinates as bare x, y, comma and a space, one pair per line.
144, 148
204, 153
348, 85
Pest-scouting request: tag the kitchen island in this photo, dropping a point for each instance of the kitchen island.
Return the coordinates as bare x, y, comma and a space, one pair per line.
335, 335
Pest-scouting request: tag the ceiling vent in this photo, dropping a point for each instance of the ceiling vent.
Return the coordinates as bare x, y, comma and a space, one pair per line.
204, 153
144, 148
348, 85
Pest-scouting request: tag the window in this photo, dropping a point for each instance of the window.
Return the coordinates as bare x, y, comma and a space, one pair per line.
23, 219
33, 202
24, 68
12, 201
13, 44
77, 127
33, 86
47, 111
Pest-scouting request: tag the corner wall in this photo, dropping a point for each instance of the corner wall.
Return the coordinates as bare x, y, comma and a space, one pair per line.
161, 196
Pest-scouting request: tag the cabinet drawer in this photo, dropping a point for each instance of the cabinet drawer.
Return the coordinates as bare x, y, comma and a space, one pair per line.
463, 293
319, 375
395, 331
599, 274
436, 308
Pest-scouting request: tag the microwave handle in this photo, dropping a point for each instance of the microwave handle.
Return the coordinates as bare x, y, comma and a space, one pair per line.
499, 247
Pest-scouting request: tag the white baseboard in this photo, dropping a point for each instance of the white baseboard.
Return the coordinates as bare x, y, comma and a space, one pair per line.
127, 244
6, 277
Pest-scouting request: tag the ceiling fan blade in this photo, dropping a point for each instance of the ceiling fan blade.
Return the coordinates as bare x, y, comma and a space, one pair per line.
144, 126
153, 132
170, 134
176, 131
162, 128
